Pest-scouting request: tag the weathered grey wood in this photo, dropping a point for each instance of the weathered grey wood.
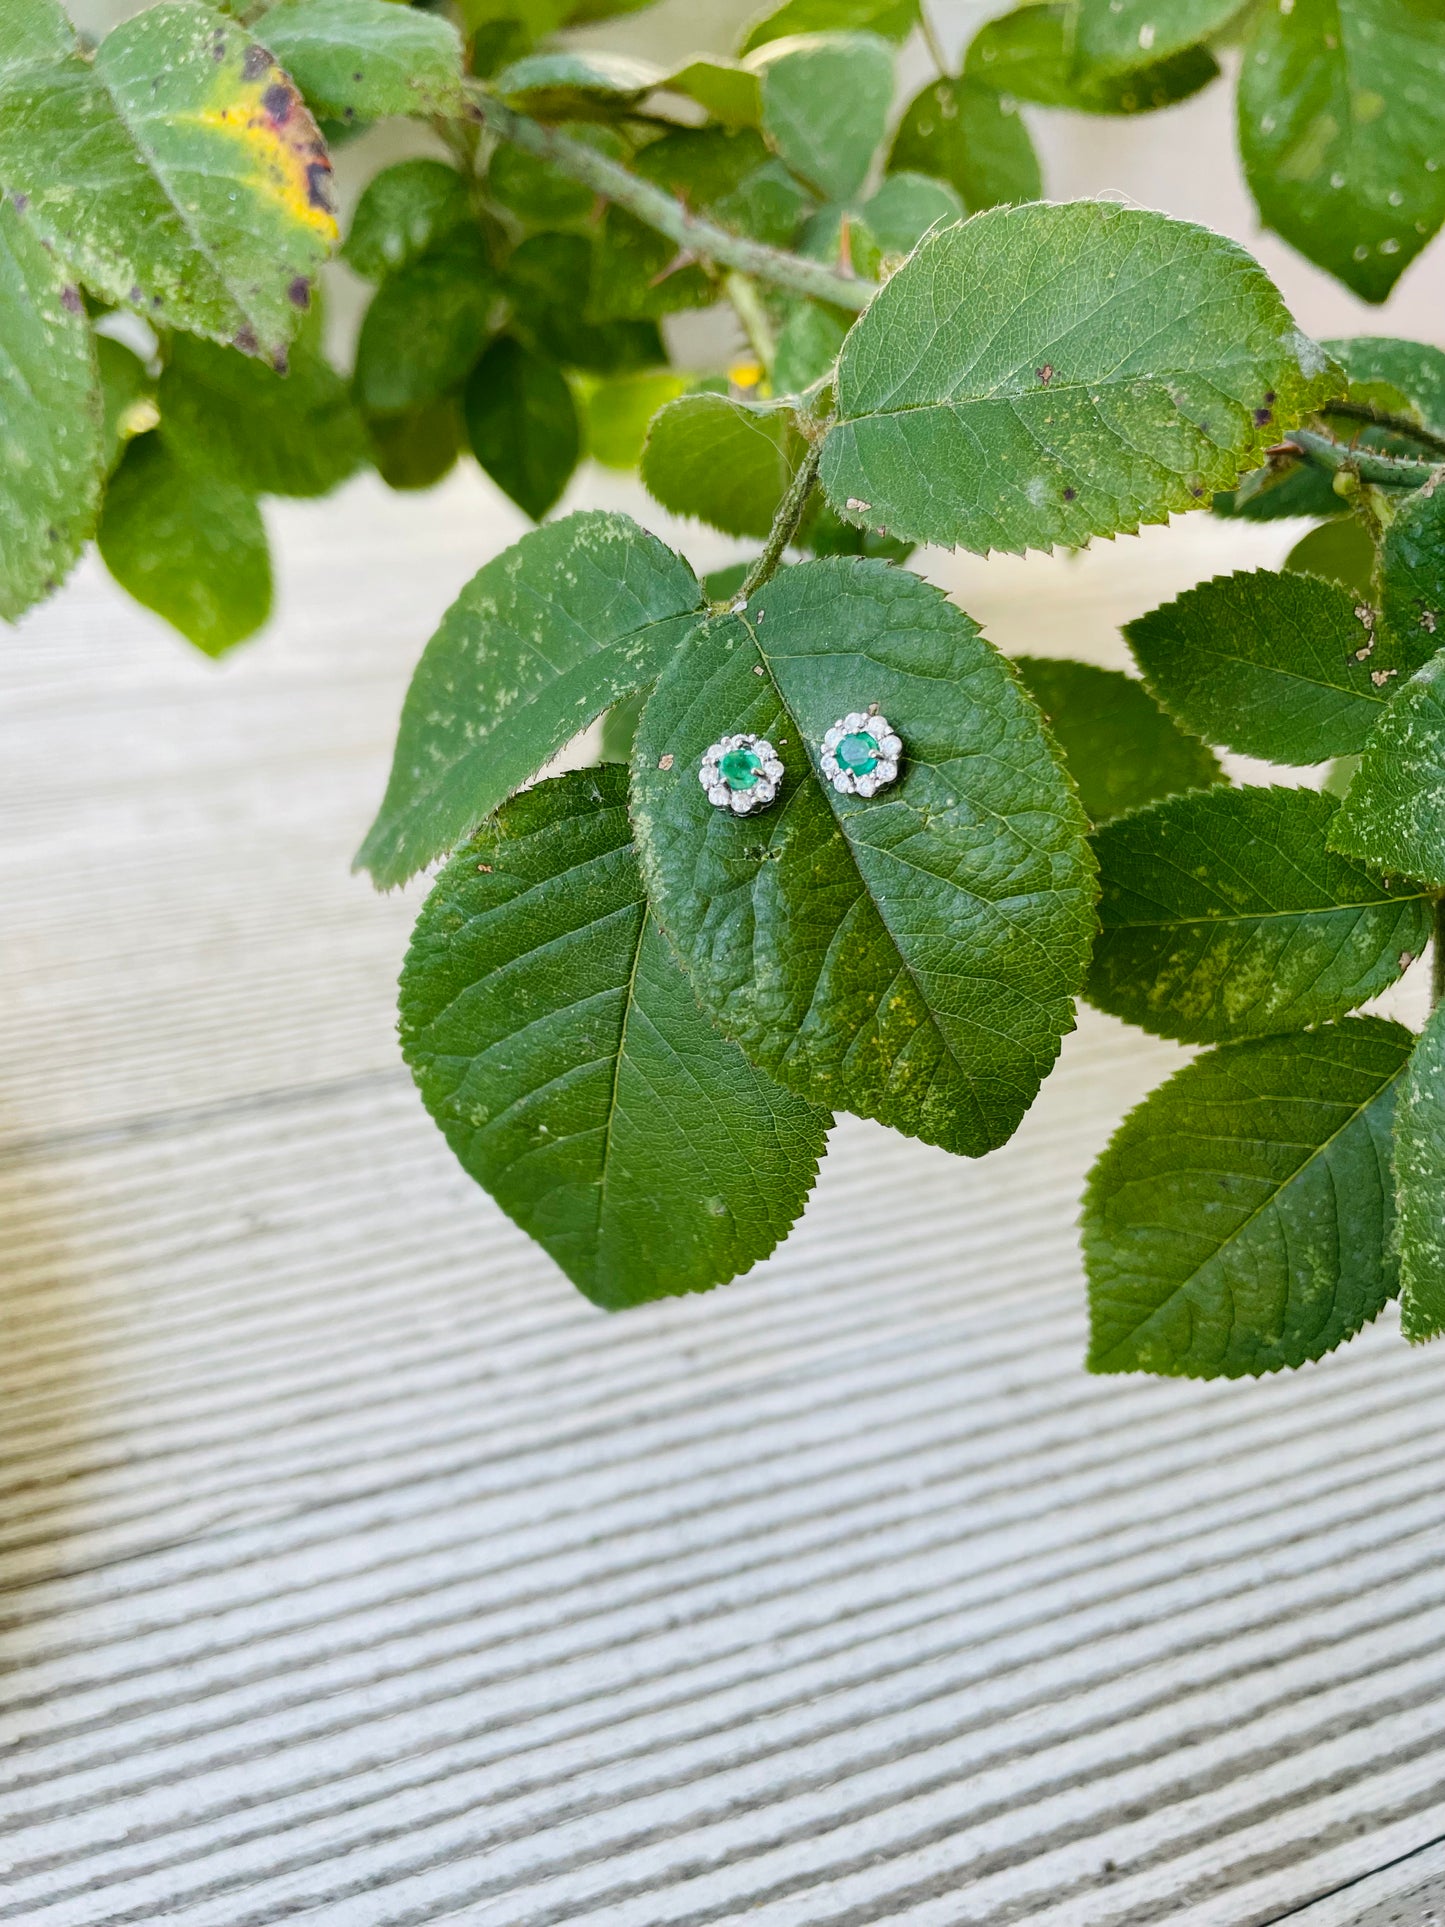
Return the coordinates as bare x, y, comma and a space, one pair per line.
352, 1569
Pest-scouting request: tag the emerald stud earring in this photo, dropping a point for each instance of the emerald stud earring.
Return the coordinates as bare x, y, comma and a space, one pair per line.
741, 773
860, 754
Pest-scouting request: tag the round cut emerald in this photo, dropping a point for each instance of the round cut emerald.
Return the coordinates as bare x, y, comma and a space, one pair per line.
740, 768
858, 754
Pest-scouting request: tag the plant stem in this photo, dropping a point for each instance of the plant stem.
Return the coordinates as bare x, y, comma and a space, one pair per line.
700, 237
1363, 411
785, 522
1437, 966
1386, 471
933, 43
748, 306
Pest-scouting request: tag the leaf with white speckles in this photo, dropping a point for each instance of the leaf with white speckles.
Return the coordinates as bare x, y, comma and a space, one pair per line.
912, 956
52, 456
1342, 132
1045, 374
1420, 1184
565, 623
178, 172
1394, 810
362, 59
1242, 1217
1224, 915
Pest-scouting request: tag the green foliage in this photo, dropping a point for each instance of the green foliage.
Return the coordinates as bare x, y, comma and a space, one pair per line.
363, 59
825, 106
425, 328
522, 424
963, 132
1340, 551
923, 946
205, 192
1279, 666
404, 211
51, 419
1420, 1165
543, 639
187, 543
1242, 1218
1342, 132
1224, 915
1121, 749
555, 1040
1085, 417
1393, 814
636, 1049
726, 462
1029, 55
268, 434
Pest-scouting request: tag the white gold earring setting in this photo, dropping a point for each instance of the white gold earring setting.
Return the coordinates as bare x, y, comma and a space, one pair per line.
860, 754
741, 773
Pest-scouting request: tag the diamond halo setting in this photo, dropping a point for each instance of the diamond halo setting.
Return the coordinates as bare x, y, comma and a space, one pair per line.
741, 773
860, 754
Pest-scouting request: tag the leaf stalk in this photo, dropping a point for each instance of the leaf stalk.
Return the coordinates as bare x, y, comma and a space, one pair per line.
1401, 425
785, 522
1368, 464
1437, 965
813, 280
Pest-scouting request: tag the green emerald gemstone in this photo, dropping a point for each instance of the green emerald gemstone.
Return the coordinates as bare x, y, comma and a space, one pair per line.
858, 754
740, 768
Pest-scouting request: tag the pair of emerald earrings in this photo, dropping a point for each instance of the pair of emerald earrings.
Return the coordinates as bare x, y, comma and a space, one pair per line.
859, 757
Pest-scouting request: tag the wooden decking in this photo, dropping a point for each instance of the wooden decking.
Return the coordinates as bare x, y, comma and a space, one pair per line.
353, 1570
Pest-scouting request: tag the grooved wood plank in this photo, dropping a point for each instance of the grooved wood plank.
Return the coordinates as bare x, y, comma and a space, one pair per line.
353, 1570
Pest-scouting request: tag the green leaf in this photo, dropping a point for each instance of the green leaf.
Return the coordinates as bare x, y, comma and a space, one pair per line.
1123, 366
365, 59
726, 462
555, 1041
769, 205
908, 206
425, 328
808, 345
702, 165
128, 397
825, 105
52, 452
726, 89
618, 411
1272, 493
1413, 370
544, 638
187, 543
404, 211
1029, 55
1241, 1218
1342, 132
1117, 36
1120, 747
965, 133
638, 274
416, 449
178, 172
522, 425
1420, 1184
271, 435
1278, 666
913, 956
1393, 815
893, 19
1224, 915
555, 85
546, 280
1412, 575
1341, 551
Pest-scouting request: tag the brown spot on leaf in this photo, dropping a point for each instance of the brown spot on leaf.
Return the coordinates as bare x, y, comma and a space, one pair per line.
665, 762
254, 62
21, 202
1263, 415
485, 868
299, 292
318, 185
278, 101
245, 339
1045, 374
1070, 494
70, 299
1269, 397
